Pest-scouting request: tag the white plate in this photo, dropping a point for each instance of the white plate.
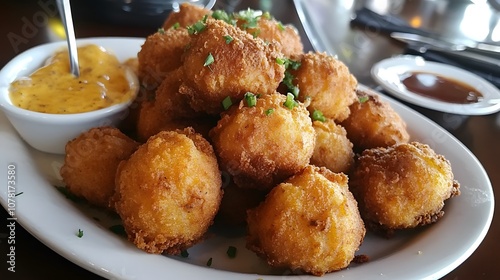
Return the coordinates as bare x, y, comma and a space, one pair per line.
55, 220
388, 71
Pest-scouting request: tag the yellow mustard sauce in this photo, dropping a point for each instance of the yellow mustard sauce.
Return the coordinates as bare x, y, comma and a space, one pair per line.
53, 89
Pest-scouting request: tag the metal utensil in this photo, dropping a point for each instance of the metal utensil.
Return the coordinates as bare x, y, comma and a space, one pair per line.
489, 57
67, 20
441, 44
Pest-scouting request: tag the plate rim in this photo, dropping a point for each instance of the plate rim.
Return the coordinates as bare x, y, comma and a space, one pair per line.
89, 263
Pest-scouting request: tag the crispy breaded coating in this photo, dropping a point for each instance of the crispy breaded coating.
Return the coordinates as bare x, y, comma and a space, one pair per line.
285, 37
326, 83
308, 223
187, 15
333, 149
168, 192
402, 186
374, 123
260, 146
91, 161
170, 101
160, 54
216, 67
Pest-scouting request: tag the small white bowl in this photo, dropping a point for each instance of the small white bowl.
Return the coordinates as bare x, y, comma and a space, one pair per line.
50, 132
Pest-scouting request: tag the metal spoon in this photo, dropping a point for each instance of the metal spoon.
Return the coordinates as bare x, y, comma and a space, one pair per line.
67, 20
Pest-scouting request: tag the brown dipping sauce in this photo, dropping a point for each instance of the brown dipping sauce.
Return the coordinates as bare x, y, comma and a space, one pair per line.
440, 88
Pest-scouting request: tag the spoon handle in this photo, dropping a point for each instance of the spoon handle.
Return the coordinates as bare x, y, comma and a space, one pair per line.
67, 20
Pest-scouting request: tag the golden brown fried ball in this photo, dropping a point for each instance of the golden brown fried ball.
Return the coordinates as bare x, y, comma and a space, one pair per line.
260, 146
285, 37
160, 54
333, 149
308, 223
402, 186
168, 192
91, 161
187, 15
170, 101
326, 83
215, 69
374, 123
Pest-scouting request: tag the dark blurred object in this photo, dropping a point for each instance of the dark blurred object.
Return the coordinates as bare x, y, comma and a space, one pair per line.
150, 13
389, 23
384, 23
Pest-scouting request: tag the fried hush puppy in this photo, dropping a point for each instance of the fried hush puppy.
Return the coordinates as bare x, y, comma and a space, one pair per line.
263, 144
187, 15
326, 83
374, 123
285, 37
309, 223
168, 191
91, 161
223, 61
333, 149
402, 186
160, 54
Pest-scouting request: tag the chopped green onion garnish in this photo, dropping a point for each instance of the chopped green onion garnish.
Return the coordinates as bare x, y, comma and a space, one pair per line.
269, 111
231, 252
226, 103
281, 61
209, 262
80, 233
290, 102
161, 30
184, 253
250, 17
288, 81
228, 39
198, 26
222, 15
176, 25
209, 60
251, 99
267, 15
363, 99
317, 115
280, 26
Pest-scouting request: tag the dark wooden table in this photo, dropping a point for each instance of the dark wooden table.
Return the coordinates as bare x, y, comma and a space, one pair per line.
25, 24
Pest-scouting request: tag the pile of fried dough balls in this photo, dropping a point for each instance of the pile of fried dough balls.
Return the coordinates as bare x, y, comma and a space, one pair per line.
236, 125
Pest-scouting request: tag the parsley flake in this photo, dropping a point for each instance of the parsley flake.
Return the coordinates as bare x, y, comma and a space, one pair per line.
176, 25
80, 233
209, 60
363, 99
228, 39
161, 30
